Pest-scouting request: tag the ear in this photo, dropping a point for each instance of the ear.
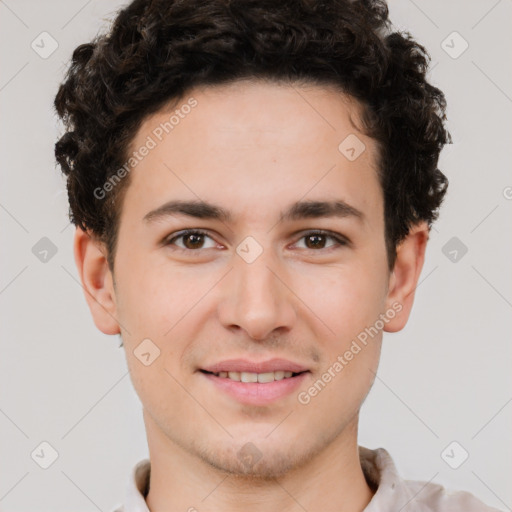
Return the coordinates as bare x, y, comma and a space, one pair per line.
404, 278
97, 281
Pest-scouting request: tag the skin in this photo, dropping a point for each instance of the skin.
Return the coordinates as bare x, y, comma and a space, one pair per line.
255, 148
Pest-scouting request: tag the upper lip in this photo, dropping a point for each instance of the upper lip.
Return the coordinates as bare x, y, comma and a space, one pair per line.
243, 365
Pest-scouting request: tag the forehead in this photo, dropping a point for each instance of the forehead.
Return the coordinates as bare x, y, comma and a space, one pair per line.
255, 144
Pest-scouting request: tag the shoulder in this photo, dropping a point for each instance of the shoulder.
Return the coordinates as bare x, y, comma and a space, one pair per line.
392, 492
431, 497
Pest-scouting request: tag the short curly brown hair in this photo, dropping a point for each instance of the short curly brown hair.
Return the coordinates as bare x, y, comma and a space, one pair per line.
157, 50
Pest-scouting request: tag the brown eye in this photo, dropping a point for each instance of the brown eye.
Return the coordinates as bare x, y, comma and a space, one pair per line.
191, 240
317, 240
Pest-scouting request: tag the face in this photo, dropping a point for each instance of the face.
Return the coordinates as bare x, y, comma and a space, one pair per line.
282, 272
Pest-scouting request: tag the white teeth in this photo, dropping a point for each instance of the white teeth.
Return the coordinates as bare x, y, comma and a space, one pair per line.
255, 377
266, 377
248, 377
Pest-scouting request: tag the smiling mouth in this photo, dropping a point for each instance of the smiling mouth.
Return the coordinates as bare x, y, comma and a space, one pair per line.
249, 377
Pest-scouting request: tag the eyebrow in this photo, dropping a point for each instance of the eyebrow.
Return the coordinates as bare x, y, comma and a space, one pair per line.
297, 211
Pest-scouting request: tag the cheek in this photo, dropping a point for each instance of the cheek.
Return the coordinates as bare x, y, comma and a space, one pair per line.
350, 305
158, 390
152, 299
347, 299
159, 305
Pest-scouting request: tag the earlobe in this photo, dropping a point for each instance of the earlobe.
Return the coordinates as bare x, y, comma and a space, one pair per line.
97, 282
404, 278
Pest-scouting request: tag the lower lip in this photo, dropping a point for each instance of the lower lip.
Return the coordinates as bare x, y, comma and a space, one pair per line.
256, 393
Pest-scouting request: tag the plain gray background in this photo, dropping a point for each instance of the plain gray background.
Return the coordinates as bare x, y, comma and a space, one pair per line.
445, 378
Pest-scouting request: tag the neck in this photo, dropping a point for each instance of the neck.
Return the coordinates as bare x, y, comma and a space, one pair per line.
180, 480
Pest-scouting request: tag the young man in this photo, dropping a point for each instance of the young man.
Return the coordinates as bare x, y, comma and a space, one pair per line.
253, 185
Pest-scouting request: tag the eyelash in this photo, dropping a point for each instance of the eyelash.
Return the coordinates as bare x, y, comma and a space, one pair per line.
341, 241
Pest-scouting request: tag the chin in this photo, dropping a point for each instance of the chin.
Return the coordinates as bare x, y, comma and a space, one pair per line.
257, 460
267, 468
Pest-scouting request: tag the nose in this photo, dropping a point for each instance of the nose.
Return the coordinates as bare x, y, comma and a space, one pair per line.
257, 298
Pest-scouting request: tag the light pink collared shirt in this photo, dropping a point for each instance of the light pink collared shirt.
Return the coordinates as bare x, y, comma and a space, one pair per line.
392, 493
